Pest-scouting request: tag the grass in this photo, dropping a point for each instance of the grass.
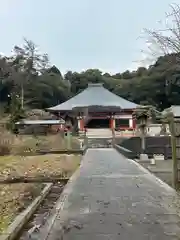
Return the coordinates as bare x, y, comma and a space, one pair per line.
22, 144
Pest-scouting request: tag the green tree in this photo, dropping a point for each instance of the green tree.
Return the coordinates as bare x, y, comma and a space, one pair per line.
16, 113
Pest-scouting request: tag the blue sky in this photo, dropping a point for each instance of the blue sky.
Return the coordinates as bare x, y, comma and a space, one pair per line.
81, 34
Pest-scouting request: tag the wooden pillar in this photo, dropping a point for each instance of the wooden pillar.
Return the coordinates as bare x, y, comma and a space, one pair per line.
112, 123
172, 117
130, 123
112, 119
134, 124
175, 144
81, 124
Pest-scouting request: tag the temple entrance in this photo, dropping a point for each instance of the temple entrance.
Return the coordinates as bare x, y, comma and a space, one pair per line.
98, 123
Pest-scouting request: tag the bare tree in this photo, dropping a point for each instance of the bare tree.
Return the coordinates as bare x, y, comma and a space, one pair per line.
165, 41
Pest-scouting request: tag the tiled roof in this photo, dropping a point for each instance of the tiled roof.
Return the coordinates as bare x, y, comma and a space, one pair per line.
94, 95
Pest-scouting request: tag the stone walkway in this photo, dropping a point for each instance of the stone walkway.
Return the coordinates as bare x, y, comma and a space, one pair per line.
115, 198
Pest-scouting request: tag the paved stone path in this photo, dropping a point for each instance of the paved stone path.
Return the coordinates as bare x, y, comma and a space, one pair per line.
115, 198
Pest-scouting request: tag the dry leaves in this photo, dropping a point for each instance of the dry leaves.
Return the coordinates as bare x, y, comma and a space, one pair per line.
14, 198
44, 165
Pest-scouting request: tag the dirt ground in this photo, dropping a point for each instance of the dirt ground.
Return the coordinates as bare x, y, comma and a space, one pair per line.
15, 197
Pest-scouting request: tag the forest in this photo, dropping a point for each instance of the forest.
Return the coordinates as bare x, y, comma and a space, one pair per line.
28, 77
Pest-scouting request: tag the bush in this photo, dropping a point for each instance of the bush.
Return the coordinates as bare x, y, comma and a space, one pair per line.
25, 144
16, 113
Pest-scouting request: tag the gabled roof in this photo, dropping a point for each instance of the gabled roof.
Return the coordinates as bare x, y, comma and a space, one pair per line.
94, 95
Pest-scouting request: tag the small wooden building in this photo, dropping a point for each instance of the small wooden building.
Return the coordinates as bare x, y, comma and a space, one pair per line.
39, 126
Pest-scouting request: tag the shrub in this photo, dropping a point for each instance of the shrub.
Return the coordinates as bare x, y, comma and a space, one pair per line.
16, 113
24, 145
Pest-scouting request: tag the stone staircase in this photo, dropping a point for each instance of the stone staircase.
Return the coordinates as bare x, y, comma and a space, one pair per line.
99, 142
99, 133
98, 138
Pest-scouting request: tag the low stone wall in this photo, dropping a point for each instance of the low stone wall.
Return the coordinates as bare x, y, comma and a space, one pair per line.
126, 152
154, 145
65, 151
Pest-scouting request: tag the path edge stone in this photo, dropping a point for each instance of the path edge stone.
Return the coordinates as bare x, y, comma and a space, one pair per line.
161, 182
16, 226
60, 204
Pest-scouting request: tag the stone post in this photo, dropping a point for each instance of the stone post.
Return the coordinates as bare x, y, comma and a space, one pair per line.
142, 115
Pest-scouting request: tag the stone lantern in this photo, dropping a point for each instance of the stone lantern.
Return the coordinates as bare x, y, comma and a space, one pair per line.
143, 115
172, 117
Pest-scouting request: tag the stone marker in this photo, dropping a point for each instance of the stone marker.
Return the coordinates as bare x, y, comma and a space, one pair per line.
144, 157
152, 161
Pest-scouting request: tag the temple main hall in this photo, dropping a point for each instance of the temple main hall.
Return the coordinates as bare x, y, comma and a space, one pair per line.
97, 107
